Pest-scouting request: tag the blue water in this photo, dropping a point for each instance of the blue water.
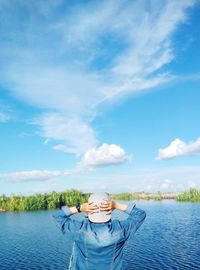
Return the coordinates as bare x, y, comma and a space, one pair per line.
168, 239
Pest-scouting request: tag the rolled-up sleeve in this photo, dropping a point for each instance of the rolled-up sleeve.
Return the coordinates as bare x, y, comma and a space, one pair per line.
135, 219
64, 222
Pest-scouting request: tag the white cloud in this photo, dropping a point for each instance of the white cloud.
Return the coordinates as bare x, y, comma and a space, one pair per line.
71, 62
27, 176
104, 155
179, 148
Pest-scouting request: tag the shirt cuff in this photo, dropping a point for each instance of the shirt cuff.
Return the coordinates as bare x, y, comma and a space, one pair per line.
66, 210
130, 207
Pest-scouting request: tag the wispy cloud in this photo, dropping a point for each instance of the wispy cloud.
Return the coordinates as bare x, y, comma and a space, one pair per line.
71, 62
29, 176
179, 148
167, 184
5, 112
178, 178
4, 117
75, 134
140, 179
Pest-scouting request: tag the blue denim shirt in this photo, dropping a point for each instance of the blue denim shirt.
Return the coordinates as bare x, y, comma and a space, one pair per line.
99, 246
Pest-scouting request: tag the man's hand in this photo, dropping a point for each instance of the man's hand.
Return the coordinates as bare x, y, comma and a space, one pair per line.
107, 206
90, 208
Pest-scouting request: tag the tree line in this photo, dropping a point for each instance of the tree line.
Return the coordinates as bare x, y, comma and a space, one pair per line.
55, 200
44, 201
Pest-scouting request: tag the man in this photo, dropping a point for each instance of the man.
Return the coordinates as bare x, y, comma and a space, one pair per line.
98, 239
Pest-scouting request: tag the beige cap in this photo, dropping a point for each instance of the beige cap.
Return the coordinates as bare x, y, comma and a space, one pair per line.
101, 216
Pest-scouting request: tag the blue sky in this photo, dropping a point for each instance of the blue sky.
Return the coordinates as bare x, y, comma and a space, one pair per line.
99, 95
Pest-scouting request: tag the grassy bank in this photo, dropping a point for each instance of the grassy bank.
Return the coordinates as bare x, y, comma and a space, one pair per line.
44, 201
145, 196
55, 200
192, 195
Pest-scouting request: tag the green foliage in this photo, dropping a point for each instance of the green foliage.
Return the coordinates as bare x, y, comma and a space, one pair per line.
51, 200
122, 196
55, 200
158, 196
193, 195
138, 196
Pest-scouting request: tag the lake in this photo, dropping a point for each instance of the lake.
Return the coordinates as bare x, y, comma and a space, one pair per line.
168, 239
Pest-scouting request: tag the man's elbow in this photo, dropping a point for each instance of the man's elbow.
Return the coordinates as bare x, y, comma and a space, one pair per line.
143, 214
140, 213
141, 217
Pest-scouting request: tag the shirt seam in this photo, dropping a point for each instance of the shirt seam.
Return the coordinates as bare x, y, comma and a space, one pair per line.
113, 255
86, 254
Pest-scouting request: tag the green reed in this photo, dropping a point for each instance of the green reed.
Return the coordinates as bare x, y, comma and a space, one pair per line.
192, 195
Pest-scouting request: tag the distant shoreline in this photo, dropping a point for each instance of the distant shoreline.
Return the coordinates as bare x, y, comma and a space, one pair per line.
55, 200
146, 196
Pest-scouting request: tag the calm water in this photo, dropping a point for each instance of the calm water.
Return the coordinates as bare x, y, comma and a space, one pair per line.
168, 239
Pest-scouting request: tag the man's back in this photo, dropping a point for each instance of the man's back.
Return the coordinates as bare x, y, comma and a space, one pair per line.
99, 246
